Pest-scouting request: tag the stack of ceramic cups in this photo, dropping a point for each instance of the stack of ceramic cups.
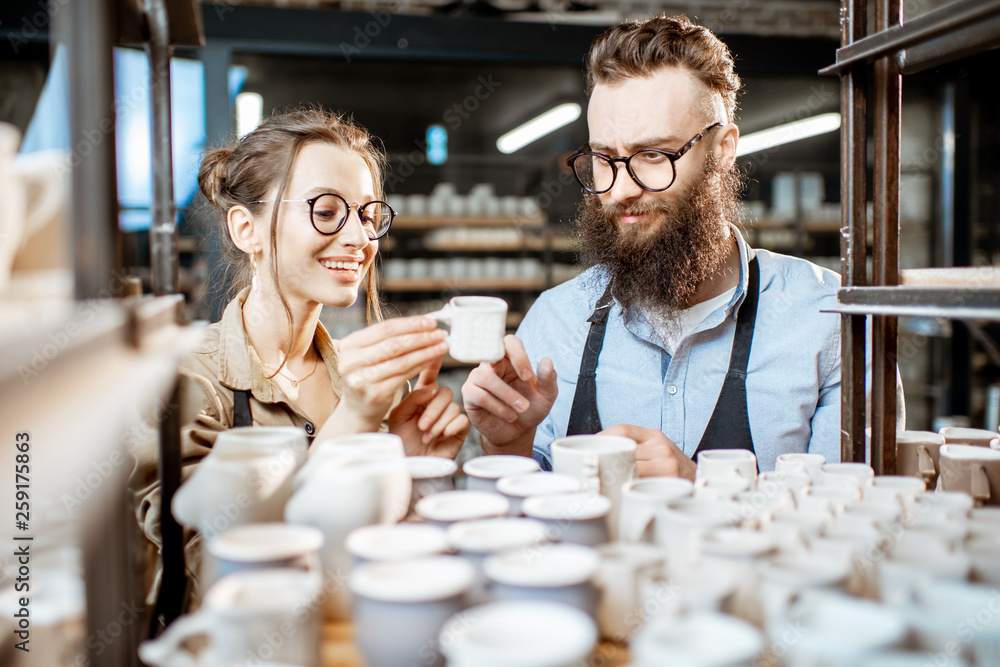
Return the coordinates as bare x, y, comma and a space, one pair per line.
954, 459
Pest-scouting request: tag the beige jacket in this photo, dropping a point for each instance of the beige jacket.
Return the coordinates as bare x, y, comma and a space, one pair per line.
208, 378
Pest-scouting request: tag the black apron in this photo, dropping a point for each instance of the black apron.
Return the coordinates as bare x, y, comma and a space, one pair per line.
242, 416
729, 425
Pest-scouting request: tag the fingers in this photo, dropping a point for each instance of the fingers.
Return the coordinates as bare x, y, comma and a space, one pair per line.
435, 409
547, 384
391, 348
430, 374
391, 328
396, 370
518, 358
450, 413
486, 390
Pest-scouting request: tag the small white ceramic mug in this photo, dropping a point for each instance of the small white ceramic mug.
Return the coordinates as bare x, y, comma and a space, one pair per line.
518, 632
478, 325
723, 463
247, 617
400, 607
602, 462
483, 471
261, 546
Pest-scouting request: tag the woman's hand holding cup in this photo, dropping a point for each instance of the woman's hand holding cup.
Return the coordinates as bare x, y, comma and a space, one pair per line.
375, 362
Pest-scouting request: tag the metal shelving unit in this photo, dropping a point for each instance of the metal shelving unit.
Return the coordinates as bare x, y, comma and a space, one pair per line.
882, 56
119, 360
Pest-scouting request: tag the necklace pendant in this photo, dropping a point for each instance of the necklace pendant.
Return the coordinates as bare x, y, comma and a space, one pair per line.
295, 384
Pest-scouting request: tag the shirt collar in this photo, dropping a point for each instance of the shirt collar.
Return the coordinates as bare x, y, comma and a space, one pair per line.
240, 371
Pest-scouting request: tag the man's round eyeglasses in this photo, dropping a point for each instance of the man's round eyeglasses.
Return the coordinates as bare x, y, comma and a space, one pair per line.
329, 212
651, 168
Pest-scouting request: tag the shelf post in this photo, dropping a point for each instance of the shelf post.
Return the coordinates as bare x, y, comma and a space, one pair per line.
87, 29
853, 235
163, 232
888, 98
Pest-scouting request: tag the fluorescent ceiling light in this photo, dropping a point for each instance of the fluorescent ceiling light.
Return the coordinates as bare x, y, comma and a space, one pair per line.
538, 127
787, 133
249, 112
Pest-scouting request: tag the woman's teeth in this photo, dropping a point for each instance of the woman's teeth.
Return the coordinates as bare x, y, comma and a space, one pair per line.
349, 266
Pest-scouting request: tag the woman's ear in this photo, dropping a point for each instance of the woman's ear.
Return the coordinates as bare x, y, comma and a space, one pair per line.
726, 142
243, 229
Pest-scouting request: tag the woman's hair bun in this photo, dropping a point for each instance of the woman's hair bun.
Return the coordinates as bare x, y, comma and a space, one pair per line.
212, 174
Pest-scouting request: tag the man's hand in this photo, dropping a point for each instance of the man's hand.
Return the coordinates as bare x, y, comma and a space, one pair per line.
656, 455
507, 400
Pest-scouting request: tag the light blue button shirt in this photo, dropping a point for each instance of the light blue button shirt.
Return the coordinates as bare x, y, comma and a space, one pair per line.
793, 376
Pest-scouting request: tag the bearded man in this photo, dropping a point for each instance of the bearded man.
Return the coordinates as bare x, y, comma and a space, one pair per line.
680, 335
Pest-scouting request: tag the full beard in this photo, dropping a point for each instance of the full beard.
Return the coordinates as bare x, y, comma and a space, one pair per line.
658, 265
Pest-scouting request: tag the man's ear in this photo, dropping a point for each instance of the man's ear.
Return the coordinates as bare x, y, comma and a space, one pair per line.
243, 229
727, 138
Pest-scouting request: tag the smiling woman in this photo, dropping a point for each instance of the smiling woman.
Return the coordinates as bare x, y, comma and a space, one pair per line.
300, 200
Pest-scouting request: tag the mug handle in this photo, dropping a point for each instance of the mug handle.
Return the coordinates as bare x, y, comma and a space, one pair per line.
925, 464
168, 650
980, 483
442, 315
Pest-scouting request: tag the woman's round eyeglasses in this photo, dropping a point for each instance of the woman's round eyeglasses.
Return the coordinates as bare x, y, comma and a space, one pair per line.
651, 168
328, 213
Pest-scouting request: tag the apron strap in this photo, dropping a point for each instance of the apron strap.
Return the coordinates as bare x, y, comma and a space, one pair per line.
729, 425
583, 417
241, 408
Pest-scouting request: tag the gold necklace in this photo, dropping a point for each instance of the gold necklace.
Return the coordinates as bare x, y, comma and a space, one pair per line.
253, 351
294, 382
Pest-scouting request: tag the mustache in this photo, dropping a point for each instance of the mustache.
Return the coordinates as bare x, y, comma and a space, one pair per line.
615, 209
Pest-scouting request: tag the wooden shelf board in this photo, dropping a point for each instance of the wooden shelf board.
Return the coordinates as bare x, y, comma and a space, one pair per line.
416, 223
491, 284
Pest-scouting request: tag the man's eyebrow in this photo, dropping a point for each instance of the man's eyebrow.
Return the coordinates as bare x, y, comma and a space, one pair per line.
644, 142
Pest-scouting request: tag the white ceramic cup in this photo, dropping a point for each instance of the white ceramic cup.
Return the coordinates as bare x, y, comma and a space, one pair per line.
265, 439
839, 630
526, 633
248, 617
602, 462
577, 518
261, 546
679, 525
430, 474
395, 483
640, 500
447, 507
233, 488
974, 437
400, 607
476, 540
554, 572
809, 464
787, 577
723, 463
483, 471
626, 569
697, 639
395, 542
972, 470
917, 454
477, 326
517, 488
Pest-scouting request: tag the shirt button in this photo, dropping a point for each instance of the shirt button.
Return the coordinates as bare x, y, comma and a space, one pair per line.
671, 390
310, 429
